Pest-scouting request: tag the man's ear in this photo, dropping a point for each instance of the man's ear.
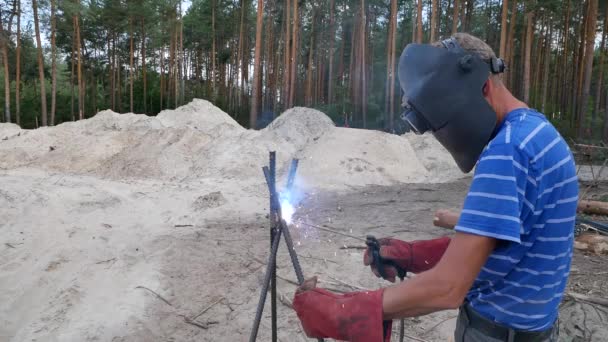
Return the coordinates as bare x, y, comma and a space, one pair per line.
486, 88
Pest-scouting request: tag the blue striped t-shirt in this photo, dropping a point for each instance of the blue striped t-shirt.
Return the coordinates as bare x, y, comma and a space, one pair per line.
524, 193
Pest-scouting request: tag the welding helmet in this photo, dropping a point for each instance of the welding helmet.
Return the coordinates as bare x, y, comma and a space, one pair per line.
443, 94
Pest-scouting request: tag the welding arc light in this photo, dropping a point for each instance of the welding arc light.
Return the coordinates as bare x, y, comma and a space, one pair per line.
287, 208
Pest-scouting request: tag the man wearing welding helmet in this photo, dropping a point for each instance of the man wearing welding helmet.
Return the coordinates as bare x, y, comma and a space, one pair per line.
507, 265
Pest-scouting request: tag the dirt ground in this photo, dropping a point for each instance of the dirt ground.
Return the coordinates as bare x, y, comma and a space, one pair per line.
217, 268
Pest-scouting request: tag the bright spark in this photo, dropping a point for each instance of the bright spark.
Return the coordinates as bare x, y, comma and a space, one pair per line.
287, 210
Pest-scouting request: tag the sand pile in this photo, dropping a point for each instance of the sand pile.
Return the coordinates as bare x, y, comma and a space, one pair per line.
96, 212
353, 157
434, 158
200, 141
300, 126
8, 130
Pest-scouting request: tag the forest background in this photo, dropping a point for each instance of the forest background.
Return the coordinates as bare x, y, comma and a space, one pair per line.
65, 60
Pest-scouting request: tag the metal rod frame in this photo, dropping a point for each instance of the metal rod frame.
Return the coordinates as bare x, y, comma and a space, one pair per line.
278, 227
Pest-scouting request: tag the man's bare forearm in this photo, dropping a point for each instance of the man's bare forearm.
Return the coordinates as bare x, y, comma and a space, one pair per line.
418, 296
444, 286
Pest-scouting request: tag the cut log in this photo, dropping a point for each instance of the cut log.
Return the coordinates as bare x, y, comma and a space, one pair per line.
594, 243
593, 207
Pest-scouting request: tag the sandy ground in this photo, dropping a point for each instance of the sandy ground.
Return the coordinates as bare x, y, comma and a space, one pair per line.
132, 228
135, 242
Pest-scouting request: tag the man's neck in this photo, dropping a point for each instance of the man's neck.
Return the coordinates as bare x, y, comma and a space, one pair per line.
507, 105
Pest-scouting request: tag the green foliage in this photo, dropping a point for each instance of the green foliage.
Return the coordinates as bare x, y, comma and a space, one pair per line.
107, 27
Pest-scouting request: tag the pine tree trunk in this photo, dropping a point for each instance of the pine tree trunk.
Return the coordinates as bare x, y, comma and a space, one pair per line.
131, 75
589, 54
267, 58
545, 81
286, 55
469, 15
239, 63
276, 71
213, 66
537, 54
390, 69
294, 54
434, 5
309, 73
18, 67
463, 15
564, 66
170, 59
182, 72
580, 65
341, 56
7, 83
393, 67
162, 72
110, 65
176, 65
143, 64
95, 107
455, 17
388, 61
598, 90
53, 64
40, 65
118, 70
419, 23
488, 11
353, 71
503, 29
527, 61
332, 39
257, 84
363, 48
414, 25
79, 70
510, 48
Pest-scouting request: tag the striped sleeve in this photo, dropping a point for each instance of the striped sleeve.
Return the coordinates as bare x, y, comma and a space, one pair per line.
495, 200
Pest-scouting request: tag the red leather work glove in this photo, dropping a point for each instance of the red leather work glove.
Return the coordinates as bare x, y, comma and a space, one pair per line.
415, 256
355, 316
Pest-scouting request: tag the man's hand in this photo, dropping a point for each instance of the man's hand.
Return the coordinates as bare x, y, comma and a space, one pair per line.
355, 316
445, 218
415, 257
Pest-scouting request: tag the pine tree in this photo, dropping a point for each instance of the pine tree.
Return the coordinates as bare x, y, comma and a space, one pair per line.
43, 109
53, 63
4, 38
588, 65
18, 67
257, 71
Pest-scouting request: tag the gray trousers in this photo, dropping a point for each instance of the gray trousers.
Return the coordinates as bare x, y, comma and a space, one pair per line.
466, 333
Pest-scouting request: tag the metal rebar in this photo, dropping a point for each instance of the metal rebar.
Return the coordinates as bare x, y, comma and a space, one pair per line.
274, 217
269, 267
283, 229
291, 176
